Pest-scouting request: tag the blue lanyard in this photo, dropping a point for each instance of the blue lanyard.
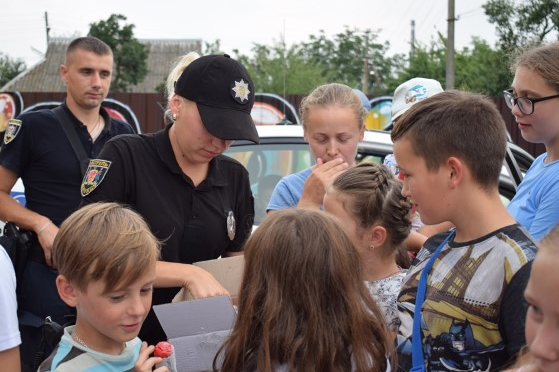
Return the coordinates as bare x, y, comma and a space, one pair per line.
417, 345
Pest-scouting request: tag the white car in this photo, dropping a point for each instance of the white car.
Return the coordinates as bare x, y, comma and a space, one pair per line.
283, 150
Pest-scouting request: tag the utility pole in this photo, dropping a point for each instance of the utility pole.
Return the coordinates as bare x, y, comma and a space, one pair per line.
47, 27
412, 39
450, 68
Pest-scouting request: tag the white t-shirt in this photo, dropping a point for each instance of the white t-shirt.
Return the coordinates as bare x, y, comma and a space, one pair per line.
9, 336
385, 293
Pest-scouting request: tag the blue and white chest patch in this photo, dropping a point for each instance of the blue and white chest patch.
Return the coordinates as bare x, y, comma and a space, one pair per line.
12, 130
94, 175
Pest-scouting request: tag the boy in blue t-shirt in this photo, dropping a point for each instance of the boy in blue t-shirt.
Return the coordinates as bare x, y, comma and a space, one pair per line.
106, 255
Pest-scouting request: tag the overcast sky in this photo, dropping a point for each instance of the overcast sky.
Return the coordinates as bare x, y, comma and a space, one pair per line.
239, 24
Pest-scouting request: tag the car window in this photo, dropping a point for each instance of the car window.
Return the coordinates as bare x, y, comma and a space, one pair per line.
380, 114
267, 163
282, 159
369, 158
271, 159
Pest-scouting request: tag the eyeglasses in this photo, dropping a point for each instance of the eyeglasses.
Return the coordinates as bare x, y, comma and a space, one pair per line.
525, 104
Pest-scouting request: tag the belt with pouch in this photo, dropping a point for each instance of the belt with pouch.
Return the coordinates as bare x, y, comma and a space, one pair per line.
34, 250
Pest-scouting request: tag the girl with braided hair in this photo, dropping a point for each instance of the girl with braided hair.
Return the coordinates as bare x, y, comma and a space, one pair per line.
369, 202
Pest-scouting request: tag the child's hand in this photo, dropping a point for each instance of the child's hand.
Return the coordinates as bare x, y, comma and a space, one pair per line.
145, 363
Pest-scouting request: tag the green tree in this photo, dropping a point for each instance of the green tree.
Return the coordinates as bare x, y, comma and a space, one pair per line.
345, 58
10, 68
130, 56
213, 48
349, 55
482, 69
281, 70
524, 22
479, 67
428, 61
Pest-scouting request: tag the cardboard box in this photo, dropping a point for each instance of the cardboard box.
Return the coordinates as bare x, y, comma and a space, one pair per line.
228, 272
198, 327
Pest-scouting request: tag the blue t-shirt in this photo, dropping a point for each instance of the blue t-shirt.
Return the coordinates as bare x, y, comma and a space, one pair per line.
288, 191
536, 203
71, 356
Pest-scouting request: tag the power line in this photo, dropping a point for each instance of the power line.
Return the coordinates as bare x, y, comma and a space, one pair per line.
423, 24
474, 10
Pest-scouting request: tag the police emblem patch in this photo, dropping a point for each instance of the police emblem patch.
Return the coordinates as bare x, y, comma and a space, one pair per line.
231, 225
96, 172
240, 88
12, 130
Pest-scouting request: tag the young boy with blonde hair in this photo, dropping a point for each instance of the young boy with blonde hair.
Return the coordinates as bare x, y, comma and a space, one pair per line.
451, 148
105, 255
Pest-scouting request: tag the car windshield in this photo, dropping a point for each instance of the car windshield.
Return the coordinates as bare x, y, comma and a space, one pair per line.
267, 163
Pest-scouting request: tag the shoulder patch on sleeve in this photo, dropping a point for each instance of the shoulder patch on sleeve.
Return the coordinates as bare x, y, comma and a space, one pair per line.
12, 130
94, 175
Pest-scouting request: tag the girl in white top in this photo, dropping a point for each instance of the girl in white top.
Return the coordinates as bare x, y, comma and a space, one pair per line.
369, 202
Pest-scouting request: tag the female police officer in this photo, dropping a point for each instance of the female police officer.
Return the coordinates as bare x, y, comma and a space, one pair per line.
196, 200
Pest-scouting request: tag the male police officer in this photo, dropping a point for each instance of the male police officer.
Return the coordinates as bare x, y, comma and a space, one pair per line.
37, 149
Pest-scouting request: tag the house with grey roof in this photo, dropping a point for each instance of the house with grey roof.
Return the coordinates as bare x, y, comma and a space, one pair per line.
44, 76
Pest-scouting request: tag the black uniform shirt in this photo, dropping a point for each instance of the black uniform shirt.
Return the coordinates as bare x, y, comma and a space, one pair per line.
191, 221
42, 156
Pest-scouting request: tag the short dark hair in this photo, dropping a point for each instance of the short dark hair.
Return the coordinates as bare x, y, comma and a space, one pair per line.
89, 44
461, 124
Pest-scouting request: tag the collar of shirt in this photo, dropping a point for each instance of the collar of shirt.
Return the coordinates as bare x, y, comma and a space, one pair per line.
165, 150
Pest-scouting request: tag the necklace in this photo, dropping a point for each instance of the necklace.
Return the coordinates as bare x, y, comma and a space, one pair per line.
78, 339
93, 132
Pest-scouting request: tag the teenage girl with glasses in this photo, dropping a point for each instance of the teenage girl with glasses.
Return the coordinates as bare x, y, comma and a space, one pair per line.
534, 101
